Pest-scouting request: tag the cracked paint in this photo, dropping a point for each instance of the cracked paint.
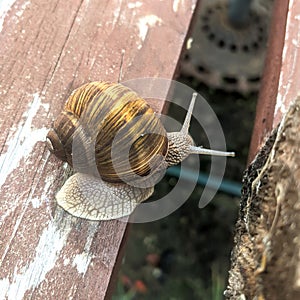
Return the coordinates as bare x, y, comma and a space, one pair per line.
51, 242
22, 141
145, 23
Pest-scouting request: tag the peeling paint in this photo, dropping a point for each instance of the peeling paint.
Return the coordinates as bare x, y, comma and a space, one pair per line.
176, 4
47, 252
116, 14
296, 42
24, 139
279, 104
146, 22
289, 57
36, 202
291, 4
20, 12
66, 261
83, 260
136, 4
5, 6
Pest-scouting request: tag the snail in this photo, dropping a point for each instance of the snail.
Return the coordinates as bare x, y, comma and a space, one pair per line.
118, 147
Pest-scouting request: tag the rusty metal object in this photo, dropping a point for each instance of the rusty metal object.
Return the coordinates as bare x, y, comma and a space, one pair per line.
226, 56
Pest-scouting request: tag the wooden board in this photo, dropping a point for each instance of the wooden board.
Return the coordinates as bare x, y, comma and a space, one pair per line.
281, 73
264, 121
48, 48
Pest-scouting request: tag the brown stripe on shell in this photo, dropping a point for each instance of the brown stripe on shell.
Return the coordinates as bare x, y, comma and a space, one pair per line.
138, 138
80, 98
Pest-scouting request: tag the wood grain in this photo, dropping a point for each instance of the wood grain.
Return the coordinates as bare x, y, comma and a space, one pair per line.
281, 73
48, 48
263, 124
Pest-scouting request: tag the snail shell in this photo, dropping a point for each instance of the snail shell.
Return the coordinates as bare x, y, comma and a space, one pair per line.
105, 115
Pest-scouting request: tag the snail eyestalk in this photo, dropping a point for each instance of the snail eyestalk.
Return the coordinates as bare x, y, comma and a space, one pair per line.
186, 125
200, 150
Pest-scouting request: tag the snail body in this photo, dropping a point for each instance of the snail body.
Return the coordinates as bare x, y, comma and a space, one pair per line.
118, 147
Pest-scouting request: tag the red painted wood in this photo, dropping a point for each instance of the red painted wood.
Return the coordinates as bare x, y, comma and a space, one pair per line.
289, 80
270, 83
48, 48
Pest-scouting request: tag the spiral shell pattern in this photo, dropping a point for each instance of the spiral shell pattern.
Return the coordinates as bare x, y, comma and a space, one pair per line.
114, 129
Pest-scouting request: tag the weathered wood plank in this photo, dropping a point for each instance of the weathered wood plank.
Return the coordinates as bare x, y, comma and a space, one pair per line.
263, 124
281, 72
48, 48
289, 87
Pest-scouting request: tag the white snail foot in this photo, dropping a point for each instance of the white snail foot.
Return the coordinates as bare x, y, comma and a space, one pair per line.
91, 198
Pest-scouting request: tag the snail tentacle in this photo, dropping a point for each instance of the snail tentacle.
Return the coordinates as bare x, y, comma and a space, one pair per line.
201, 150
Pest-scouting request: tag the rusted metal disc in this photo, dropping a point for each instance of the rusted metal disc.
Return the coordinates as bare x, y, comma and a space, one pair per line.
226, 57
